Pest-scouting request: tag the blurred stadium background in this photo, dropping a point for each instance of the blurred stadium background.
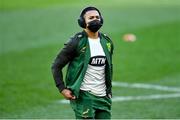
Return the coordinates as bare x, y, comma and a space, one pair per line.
146, 72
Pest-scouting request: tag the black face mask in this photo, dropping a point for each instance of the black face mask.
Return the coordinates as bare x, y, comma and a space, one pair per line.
94, 25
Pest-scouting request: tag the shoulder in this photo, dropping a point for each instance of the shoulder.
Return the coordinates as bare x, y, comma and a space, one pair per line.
109, 40
74, 40
106, 37
78, 36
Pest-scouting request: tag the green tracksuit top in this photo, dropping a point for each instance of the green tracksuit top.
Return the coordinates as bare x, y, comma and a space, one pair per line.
76, 53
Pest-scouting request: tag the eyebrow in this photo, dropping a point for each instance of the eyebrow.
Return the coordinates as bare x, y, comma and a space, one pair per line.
94, 16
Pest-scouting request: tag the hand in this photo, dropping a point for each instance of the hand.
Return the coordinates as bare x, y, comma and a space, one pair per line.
68, 94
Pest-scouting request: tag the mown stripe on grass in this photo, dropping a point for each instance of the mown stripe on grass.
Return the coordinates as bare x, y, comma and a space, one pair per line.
145, 97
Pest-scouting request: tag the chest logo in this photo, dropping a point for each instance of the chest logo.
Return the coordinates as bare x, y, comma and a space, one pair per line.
109, 46
83, 49
97, 61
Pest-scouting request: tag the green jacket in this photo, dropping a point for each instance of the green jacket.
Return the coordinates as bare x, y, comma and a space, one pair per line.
77, 53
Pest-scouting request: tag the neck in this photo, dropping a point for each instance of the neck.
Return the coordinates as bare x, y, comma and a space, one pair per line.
92, 34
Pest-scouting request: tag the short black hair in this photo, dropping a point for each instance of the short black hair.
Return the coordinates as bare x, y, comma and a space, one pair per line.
88, 9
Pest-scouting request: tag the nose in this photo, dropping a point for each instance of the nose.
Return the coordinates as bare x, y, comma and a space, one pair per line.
95, 19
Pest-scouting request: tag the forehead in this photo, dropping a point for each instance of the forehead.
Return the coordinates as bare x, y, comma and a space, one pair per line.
91, 13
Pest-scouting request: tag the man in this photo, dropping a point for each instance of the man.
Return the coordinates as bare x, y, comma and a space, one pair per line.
89, 73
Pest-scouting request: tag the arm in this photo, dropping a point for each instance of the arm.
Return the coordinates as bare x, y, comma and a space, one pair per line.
63, 58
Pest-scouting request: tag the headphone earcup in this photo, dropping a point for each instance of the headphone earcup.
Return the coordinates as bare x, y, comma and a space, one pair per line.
81, 22
102, 21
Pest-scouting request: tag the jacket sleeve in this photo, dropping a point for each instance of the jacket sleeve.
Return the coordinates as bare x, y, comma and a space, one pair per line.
63, 58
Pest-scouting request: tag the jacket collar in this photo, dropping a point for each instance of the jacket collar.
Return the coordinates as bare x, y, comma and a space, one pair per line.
85, 34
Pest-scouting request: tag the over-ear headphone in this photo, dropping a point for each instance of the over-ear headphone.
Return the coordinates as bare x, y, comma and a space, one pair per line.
81, 20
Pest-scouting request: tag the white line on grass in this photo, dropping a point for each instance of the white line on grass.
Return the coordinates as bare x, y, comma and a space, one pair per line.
143, 86
146, 86
147, 97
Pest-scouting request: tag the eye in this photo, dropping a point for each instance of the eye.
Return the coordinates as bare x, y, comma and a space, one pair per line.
97, 17
91, 17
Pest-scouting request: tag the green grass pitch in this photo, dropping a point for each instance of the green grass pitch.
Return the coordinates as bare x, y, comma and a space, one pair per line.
32, 33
